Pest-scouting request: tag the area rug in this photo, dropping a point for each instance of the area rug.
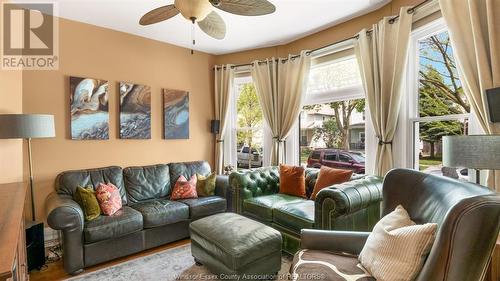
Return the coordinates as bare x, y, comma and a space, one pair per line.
172, 264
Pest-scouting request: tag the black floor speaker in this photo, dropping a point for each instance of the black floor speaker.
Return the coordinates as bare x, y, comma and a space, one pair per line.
35, 246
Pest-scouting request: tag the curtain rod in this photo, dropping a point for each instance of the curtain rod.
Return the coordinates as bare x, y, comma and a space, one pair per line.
392, 20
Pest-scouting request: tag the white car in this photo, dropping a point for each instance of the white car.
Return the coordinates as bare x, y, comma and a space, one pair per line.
249, 160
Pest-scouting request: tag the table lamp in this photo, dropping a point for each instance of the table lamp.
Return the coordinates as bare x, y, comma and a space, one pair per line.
479, 152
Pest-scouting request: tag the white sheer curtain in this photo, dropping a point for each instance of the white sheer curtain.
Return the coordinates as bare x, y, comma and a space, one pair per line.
224, 76
382, 58
474, 28
281, 86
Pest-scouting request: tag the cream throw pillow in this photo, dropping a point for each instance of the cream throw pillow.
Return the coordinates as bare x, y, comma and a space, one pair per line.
397, 247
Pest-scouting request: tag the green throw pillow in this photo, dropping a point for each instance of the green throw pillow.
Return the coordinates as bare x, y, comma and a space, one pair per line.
205, 186
87, 200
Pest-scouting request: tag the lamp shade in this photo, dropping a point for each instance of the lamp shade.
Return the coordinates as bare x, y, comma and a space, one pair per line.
23, 126
474, 152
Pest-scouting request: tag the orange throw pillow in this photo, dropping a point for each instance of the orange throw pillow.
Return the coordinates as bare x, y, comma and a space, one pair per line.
330, 176
292, 181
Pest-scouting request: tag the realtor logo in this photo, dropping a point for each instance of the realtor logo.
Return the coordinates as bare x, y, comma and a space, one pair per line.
29, 36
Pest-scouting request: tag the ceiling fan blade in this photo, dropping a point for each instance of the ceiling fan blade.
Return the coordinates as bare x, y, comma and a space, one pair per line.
245, 7
158, 14
213, 25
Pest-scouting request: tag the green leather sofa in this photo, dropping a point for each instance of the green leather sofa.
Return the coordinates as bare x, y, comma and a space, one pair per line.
354, 205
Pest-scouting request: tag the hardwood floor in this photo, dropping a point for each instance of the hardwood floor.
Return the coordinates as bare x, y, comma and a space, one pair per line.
55, 271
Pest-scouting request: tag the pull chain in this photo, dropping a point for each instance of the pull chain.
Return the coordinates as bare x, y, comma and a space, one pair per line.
193, 34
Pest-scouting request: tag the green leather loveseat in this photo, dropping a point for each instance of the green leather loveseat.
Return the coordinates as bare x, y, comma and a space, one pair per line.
354, 205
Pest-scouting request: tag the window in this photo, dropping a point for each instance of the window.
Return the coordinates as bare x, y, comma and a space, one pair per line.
316, 155
333, 117
331, 157
344, 158
248, 122
335, 75
439, 106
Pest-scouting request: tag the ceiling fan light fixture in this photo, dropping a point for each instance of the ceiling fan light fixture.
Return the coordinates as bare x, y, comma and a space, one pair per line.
197, 9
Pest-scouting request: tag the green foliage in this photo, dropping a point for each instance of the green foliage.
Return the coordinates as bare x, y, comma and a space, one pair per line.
335, 132
440, 91
249, 114
329, 133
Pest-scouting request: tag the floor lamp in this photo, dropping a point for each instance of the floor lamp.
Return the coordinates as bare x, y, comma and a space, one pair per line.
27, 126
478, 152
30, 126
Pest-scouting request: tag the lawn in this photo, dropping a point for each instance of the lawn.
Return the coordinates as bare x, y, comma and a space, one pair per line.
304, 154
427, 162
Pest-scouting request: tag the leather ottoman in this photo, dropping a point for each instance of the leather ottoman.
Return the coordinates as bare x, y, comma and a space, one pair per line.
236, 247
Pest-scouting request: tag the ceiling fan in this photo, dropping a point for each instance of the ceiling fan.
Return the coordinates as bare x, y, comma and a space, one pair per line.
202, 12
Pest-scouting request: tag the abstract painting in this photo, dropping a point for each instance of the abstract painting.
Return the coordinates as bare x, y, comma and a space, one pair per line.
135, 111
89, 109
176, 114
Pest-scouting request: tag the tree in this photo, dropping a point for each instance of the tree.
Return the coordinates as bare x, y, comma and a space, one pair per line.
249, 114
438, 71
342, 115
329, 133
440, 91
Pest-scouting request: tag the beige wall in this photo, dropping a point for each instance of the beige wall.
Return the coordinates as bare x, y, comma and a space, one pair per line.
11, 151
90, 51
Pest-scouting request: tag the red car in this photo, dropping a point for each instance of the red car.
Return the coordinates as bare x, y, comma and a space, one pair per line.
335, 158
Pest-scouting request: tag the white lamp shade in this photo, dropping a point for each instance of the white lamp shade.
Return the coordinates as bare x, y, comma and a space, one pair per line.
474, 152
23, 126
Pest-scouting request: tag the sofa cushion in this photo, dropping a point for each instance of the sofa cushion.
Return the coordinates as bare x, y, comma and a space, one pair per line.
160, 212
205, 206
327, 266
329, 176
188, 169
262, 207
184, 189
296, 216
85, 197
125, 221
67, 182
147, 182
292, 180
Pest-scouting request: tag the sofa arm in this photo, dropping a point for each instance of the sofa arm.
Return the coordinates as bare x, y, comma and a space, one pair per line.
353, 205
253, 183
223, 190
350, 242
63, 213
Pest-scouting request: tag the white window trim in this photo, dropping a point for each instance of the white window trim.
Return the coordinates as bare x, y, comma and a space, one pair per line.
230, 143
432, 28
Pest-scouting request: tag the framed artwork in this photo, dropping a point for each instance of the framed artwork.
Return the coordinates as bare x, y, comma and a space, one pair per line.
135, 111
176, 114
89, 109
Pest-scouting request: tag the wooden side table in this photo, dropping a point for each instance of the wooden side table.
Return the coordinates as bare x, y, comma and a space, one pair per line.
493, 273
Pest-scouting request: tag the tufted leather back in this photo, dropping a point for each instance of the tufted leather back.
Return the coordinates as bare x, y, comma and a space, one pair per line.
67, 182
263, 181
188, 169
468, 218
147, 182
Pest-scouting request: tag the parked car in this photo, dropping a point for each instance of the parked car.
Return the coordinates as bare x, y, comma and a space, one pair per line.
336, 158
245, 158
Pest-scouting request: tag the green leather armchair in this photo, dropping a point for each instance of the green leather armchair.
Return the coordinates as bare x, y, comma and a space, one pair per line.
354, 205
468, 218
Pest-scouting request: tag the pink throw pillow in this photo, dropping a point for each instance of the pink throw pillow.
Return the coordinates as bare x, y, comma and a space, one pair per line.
109, 198
184, 189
